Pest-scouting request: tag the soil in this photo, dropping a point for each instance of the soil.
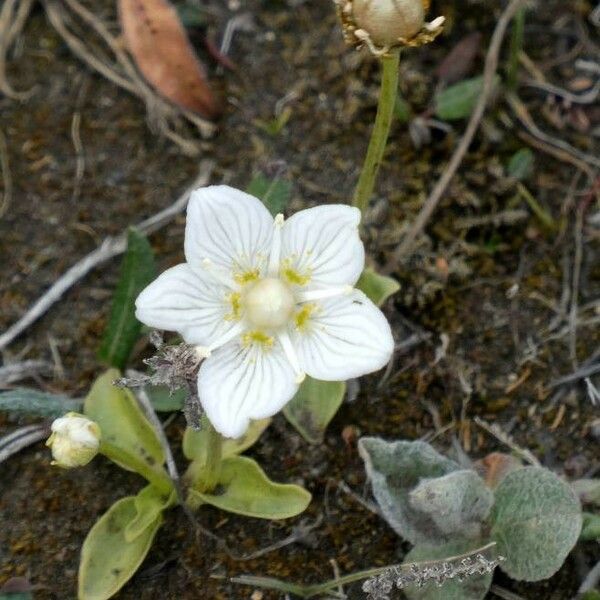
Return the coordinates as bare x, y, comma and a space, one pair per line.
492, 290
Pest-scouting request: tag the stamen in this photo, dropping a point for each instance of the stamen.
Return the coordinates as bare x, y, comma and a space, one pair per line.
329, 292
217, 274
273, 270
290, 353
206, 351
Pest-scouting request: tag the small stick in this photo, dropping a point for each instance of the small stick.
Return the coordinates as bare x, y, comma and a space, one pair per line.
491, 66
110, 247
6, 176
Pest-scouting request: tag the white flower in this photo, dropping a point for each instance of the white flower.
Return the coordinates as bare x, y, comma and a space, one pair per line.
267, 301
75, 440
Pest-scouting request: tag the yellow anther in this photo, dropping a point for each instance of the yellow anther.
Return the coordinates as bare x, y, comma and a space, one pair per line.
257, 337
302, 317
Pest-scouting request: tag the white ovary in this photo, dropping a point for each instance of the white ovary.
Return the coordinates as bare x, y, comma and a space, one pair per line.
267, 301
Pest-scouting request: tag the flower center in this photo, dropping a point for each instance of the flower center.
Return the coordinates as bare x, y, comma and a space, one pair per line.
269, 303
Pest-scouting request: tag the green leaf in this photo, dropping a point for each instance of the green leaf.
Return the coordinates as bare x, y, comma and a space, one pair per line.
591, 595
402, 109
458, 100
108, 560
471, 588
195, 442
588, 490
378, 288
123, 329
274, 192
244, 489
536, 520
191, 15
128, 438
34, 402
150, 502
310, 411
458, 503
520, 165
591, 527
163, 400
395, 469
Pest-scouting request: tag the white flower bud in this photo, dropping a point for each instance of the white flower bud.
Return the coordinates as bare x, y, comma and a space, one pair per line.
75, 440
387, 21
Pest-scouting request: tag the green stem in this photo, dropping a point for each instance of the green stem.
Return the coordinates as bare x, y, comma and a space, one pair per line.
385, 112
516, 45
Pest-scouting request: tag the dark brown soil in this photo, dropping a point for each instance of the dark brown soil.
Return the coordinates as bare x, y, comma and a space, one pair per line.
456, 283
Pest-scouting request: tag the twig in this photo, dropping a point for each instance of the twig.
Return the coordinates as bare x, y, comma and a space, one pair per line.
80, 156
110, 247
591, 580
20, 439
491, 65
527, 121
14, 372
582, 373
507, 440
6, 176
588, 97
504, 593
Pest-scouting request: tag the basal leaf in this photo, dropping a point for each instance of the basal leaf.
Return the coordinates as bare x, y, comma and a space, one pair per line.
128, 438
310, 411
244, 489
163, 400
123, 329
591, 527
34, 402
458, 503
520, 165
194, 442
108, 560
458, 100
149, 505
274, 192
395, 469
378, 288
471, 588
536, 520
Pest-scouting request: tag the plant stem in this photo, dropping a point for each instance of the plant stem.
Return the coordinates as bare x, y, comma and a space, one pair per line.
516, 45
385, 112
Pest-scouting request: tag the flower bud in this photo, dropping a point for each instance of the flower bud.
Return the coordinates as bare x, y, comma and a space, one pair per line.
75, 440
387, 21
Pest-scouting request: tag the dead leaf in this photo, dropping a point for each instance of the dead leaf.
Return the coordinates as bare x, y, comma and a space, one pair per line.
157, 40
458, 63
495, 467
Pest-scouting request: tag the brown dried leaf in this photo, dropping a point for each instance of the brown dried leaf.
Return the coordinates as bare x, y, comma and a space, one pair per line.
458, 63
495, 467
157, 40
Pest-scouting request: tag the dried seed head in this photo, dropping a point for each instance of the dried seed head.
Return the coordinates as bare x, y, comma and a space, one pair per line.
387, 21
385, 24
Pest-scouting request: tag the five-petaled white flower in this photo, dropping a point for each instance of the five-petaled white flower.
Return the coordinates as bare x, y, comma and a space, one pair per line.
266, 302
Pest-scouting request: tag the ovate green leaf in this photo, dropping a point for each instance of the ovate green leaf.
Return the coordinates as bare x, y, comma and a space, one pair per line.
244, 489
521, 164
128, 438
123, 329
274, 192
591, 527
163, 400
458, 100
195, 442
108, 560
310, 411
536, 520
378, 288
149, 504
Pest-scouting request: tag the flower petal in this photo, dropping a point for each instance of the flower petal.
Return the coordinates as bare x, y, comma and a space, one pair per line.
344, 337
228, 227
188, 302
322, 246
238, 383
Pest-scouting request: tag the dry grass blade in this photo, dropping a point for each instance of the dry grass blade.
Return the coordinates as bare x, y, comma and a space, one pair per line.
20, 439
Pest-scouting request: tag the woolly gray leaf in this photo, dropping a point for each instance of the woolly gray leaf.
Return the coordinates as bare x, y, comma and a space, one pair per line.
395, 468
458, 503
536, 521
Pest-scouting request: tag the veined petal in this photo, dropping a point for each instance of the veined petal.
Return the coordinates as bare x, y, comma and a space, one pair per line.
184, 300
229, 229
241, 382
343, 337
321, 246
